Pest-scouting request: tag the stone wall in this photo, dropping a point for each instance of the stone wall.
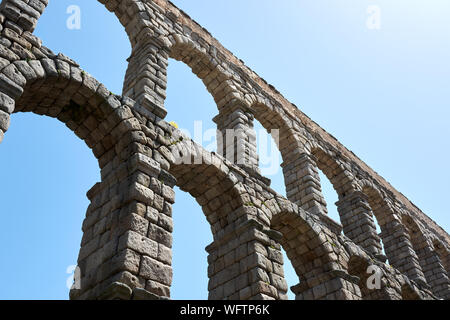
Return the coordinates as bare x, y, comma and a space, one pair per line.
126, 247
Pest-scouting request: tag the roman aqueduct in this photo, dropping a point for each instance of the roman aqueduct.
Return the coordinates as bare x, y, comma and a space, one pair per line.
126, 246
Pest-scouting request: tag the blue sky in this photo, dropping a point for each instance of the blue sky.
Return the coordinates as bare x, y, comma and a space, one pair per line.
383, 93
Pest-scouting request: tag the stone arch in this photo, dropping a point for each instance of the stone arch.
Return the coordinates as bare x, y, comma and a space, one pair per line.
215, 189
116, 217
225, 90
312, 249
212, 184
231, 99
233, 113
132, 14
219, 188
429, 260
145, 80
233, 110
394, 235
339, 176
354, 211
378, 201
128, 223
206, 67
146, 74
24, 14
316, 158
58, 88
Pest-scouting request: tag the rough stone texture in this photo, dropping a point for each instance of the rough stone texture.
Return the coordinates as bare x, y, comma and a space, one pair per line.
126, 247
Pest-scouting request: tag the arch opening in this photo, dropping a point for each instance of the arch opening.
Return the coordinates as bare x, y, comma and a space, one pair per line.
310, 256
354, 209
189, 105
79, 101
269, 156
72, 26
47, 173
57, 88
333, 185
191, 236
290, 275
283, 144
220, 202
330, 197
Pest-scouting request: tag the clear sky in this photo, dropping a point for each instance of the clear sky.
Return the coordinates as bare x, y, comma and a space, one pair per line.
384, 93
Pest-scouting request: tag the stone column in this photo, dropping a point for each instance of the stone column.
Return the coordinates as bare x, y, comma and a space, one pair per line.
126, 246
246, 264
146, 76
303, 184
358, 224
236, 137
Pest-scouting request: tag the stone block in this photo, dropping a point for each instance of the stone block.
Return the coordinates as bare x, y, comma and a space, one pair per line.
152, 269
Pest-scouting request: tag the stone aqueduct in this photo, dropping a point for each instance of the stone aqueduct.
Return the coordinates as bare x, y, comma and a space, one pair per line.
126, 247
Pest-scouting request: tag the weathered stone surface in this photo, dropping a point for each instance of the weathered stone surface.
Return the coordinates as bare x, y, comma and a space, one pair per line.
138, 243
4, 120
116, 291
154, 270
126, 247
